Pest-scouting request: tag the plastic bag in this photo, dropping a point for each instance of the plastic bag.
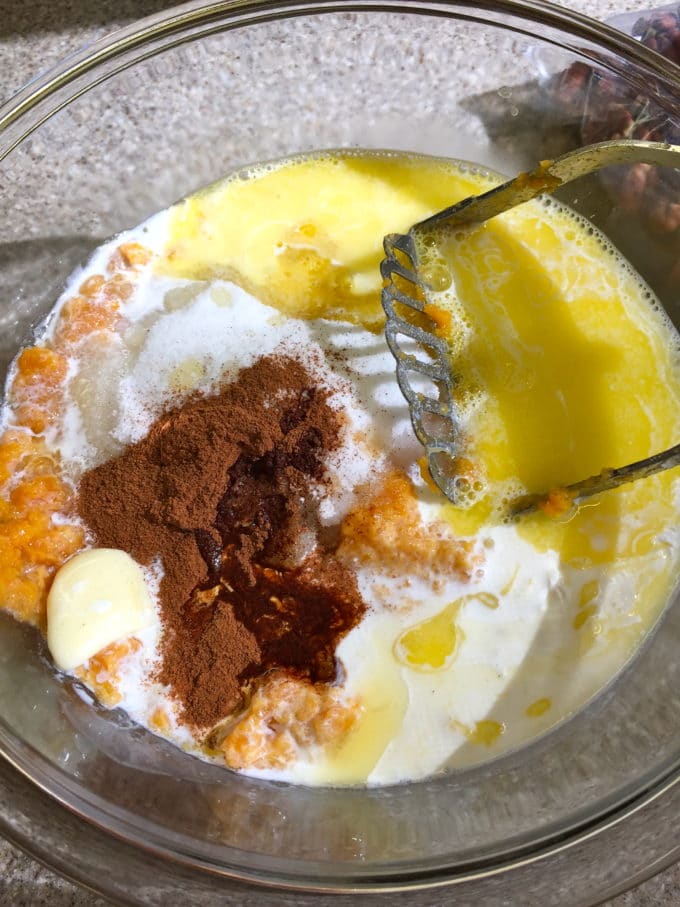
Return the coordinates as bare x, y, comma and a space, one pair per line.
607, 107
565, 109
658, 29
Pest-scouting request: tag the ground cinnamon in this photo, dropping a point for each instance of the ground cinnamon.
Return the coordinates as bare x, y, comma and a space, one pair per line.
225, 491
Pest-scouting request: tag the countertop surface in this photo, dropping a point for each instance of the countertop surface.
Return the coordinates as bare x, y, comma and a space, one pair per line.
33, 36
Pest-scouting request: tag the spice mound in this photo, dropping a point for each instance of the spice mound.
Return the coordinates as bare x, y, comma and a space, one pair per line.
225, 491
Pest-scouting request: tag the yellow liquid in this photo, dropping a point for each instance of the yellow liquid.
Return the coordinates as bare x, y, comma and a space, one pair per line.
432, 644
308, 235
565, 367
575, 371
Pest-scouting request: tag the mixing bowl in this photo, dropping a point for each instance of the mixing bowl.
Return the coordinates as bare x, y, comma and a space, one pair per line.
126, 127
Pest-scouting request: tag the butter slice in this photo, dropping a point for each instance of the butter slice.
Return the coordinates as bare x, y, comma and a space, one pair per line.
97, 598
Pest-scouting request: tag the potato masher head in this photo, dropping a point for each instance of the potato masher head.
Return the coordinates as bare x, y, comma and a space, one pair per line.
422, 355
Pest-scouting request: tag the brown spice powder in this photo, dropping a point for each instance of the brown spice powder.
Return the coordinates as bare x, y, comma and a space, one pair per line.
222, 490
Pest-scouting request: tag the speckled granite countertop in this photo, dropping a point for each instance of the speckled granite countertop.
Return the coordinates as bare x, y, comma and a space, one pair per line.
34, 35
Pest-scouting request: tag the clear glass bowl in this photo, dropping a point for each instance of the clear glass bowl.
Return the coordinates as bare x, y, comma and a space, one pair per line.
123, 129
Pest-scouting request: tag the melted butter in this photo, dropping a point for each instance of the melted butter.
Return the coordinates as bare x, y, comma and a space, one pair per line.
575, 371
584, 615
507, 588
384, 700
483, 733
486, 732
589, 592
432, 644
538, 708
309, 232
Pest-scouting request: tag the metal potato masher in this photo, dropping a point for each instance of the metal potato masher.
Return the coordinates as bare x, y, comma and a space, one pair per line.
422, 355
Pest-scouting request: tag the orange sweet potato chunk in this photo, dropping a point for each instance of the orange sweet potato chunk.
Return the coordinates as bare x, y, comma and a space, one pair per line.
36, 391
32, 547
557, 502
387, 530
134, 254
92, 285
101, 672
82, 316
443, 319
285, 713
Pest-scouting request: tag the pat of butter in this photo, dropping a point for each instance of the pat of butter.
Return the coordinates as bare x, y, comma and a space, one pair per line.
97, 597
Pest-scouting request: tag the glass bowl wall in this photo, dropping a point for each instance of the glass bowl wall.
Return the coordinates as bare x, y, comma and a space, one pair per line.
139, 120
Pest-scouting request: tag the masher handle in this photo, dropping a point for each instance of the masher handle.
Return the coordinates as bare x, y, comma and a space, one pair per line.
603, 481
550, 175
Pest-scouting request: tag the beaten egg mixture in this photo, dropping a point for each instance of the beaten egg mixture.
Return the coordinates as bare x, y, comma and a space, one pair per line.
479, 633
